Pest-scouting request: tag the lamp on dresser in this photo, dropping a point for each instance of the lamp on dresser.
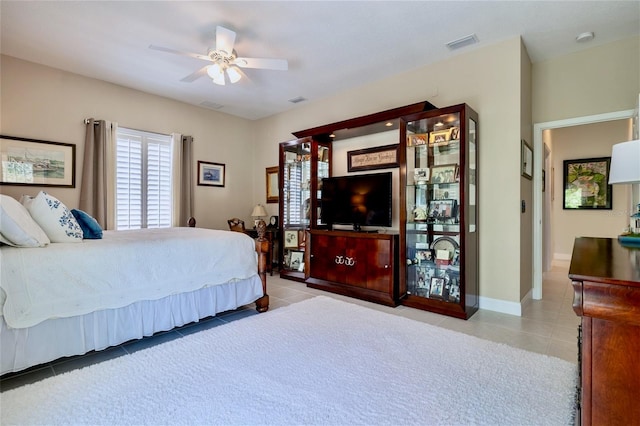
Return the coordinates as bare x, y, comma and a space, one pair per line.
258, 213
625, 169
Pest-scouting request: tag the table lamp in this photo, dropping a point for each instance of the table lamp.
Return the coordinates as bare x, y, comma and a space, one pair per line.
625, 169
258, 213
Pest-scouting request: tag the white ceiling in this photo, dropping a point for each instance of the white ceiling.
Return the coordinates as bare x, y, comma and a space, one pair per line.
331, 46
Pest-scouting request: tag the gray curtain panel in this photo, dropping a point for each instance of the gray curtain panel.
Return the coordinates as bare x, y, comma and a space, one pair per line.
93, 187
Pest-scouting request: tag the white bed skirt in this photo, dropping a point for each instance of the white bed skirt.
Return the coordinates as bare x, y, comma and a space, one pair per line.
55, 338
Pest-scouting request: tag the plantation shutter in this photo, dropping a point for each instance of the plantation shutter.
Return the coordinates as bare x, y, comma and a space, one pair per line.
143, 180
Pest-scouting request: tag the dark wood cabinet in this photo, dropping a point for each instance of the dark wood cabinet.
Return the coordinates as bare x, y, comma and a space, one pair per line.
606, 281
361, 265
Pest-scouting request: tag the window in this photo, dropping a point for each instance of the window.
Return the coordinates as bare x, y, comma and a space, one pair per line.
143, 180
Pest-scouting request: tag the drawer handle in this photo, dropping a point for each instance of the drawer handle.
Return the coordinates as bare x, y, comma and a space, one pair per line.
339, 260
349, 261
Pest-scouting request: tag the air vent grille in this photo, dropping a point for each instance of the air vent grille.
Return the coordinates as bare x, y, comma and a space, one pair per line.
297, 100
211, 105
462, 42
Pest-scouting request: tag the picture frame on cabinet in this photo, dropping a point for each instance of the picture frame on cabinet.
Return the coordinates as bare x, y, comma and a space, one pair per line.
421, 175
290, 238
417, 139
297, 259
439, 137
436, 287
445, 173
442, 209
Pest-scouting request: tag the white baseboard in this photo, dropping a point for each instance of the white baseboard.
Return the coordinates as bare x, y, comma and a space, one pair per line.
561, 256
502, 306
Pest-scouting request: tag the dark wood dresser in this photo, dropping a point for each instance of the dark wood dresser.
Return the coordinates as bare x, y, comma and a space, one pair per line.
606, 281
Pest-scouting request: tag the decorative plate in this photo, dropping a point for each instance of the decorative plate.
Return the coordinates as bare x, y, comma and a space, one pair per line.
445, 243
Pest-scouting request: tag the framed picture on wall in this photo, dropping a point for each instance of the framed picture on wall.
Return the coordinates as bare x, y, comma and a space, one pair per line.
210, 174
37, 162
586, 184
272, 184
526, 158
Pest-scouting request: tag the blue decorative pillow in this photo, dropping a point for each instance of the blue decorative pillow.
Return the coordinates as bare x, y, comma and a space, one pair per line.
90, 226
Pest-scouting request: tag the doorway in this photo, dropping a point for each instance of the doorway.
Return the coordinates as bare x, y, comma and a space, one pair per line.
539, 158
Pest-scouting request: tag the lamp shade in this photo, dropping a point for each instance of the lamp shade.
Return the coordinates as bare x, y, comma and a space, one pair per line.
258, 211
625, 163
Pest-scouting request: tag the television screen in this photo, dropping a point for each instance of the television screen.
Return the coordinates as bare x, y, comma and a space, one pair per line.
358, 200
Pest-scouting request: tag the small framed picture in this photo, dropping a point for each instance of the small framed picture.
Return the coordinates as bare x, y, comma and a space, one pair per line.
442, 209
210, 174
421, 175
297, 259
424, 256
526, 167
417, 139
291, 238
454, 133
444, 174
439, 137
436, 288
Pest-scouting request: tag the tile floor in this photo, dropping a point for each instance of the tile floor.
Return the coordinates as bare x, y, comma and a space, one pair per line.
547, 326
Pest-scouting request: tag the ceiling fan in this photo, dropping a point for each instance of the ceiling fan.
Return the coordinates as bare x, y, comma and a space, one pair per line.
225, 60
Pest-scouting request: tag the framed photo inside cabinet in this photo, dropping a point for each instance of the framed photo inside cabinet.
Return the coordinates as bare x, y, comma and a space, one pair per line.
444, 174
439, 137
211, 174
272, 184
436, 288
442, 209
454, 133
417, 139
297, 259
291, 238
586, 184
37, 162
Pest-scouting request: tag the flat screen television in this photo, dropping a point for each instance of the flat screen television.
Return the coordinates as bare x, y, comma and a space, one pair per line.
358, 200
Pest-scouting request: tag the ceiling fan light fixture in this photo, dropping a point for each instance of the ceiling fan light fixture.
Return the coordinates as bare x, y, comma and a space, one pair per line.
216, 73
233, 74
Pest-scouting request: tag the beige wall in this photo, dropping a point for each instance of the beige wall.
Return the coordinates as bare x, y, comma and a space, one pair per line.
594, 81
44, 103
526, 185
587, 141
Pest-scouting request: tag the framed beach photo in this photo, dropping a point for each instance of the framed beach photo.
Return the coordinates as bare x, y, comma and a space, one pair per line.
586, 184
210, 174
37, 162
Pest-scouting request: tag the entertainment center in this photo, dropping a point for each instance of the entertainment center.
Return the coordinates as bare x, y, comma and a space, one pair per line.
405, 235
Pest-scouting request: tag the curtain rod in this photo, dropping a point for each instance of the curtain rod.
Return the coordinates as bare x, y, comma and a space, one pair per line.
86, 121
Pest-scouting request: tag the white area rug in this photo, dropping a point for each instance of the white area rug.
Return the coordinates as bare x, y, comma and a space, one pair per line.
320, 361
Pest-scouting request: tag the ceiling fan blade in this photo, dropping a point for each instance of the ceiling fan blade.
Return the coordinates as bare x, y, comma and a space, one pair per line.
196, 75
270, 64
180, 52
225, 39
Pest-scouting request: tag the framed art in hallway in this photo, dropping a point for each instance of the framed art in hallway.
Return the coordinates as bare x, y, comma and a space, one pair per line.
37, 162
586, 185
211, 174
526, 159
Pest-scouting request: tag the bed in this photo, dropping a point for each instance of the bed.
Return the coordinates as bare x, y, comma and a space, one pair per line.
67, 299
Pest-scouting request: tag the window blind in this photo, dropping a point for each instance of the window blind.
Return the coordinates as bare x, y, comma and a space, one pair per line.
143, 180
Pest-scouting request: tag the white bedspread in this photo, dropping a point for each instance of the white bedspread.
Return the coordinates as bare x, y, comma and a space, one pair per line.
68, 279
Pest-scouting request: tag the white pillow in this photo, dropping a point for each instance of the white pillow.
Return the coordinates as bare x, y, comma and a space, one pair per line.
54, 217
17, 228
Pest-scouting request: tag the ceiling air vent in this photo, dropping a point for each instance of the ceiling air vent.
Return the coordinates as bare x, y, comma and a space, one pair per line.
297, 100
211, 105
462, 42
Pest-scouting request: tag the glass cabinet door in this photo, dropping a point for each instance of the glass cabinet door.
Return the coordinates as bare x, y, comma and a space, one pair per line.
433, 208
438, 227
303, 164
